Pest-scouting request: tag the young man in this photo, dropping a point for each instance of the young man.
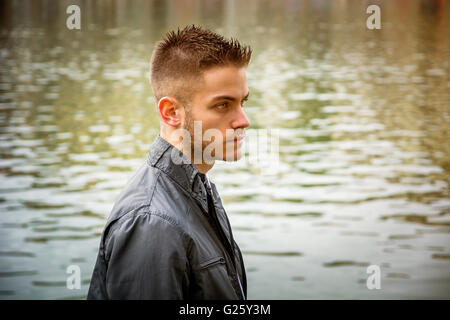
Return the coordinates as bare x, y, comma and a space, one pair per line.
168, 235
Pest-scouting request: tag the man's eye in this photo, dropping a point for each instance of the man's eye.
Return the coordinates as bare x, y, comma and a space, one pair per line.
222, 106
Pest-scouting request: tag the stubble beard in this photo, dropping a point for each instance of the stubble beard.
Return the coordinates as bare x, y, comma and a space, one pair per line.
189, 127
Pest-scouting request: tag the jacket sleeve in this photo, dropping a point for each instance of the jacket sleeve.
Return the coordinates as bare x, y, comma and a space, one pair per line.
146, 257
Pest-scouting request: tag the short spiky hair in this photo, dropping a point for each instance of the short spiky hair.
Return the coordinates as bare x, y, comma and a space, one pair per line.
179, 60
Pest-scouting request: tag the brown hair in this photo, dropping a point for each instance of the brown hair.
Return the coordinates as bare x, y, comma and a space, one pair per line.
178, 61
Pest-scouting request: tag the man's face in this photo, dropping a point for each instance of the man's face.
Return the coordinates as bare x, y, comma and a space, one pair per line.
218, 106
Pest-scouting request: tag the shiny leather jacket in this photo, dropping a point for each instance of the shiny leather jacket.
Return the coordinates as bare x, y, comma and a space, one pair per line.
160, 240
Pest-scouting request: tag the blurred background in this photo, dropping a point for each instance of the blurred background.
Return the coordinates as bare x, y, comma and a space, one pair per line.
363, 114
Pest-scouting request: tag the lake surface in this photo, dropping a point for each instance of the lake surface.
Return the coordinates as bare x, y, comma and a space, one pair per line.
362, 116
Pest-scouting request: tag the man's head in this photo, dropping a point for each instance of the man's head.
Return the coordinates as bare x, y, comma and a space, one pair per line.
199, 77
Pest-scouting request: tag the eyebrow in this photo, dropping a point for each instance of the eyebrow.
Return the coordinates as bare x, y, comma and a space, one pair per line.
225, 97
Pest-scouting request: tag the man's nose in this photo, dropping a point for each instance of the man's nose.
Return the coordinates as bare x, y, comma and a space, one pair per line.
240, 120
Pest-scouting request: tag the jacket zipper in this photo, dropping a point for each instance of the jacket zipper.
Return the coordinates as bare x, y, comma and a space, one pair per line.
219, 260
215, 224
240, 258
222, 237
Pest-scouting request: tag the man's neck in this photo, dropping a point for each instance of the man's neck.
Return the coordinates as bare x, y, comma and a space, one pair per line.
202, 167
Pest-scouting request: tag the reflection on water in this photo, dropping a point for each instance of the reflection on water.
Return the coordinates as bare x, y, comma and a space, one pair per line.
364, 155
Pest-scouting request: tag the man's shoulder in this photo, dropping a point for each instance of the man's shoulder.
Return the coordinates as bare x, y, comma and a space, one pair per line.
151, 191
136, 193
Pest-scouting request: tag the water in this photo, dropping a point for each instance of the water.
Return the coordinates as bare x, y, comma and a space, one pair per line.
363, 118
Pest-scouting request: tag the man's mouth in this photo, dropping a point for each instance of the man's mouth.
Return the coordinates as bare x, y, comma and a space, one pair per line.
236, 139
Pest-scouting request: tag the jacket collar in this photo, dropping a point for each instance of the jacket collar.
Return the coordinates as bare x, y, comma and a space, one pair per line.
183, 171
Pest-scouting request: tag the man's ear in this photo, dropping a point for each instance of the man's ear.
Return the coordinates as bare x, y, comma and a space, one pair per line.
171, 111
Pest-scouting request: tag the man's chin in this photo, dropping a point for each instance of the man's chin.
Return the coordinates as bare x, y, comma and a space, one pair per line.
233, 157
230, 156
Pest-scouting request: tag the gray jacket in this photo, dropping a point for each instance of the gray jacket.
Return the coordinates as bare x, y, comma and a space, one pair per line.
162, 240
